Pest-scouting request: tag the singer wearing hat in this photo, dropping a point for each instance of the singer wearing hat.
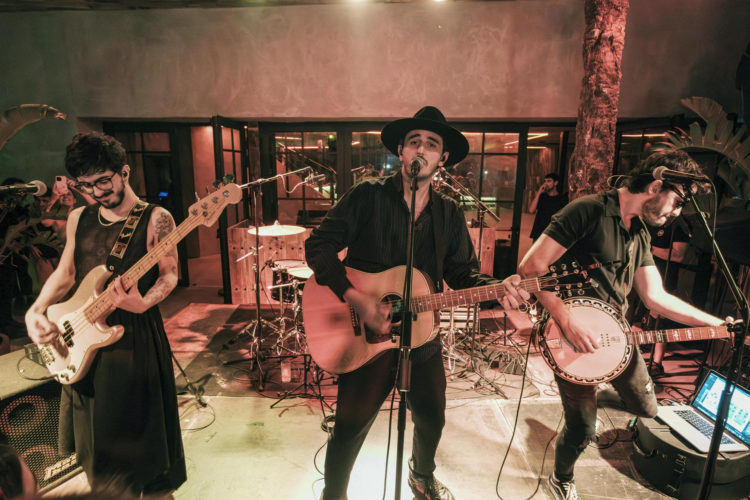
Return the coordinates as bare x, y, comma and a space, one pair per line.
371, 221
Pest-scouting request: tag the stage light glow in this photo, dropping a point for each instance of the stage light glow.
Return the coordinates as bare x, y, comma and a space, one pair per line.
644, 135
532, 136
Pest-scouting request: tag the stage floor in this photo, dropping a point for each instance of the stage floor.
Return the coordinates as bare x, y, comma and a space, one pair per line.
247, 444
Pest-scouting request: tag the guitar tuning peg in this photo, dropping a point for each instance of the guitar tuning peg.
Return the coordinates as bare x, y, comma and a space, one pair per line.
563, 267
228, 179
197, 198
552, 269
216, 184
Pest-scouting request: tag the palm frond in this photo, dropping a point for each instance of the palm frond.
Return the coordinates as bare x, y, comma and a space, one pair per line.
15, 118
706, 108
717, 137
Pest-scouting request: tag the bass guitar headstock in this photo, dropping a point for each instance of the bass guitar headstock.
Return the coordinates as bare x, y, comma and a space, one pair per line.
566, 280
209, 208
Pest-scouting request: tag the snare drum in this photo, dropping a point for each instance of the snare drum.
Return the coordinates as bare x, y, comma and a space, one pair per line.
286, 271
302, 273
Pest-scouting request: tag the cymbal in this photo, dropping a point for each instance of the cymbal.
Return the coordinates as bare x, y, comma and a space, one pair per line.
277, 230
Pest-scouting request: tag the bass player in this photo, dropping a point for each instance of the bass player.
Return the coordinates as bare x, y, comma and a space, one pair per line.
371, 221
605, 233
121, 418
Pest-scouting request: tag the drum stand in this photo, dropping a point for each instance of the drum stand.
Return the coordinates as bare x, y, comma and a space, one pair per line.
298, 348
284, 332
255, 327
474, 327
305, 386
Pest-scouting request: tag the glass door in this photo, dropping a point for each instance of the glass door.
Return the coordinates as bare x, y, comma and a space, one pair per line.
231, 159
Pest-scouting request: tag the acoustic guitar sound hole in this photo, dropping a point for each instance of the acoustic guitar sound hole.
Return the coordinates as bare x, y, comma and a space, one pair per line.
374, 337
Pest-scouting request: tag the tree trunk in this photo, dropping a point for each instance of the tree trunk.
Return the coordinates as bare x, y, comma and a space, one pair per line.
603, 42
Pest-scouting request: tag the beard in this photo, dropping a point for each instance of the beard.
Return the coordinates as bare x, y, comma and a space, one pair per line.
113, 201
651, 214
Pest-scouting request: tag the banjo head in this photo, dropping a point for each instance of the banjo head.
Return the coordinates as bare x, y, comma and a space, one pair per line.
587, 368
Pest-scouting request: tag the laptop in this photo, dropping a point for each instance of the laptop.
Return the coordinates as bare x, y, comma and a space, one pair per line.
695, 422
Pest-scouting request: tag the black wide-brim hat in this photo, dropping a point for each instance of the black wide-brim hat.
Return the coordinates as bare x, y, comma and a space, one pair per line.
428, 118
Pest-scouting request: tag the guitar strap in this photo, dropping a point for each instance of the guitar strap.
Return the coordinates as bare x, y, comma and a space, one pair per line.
437, 232
114, 260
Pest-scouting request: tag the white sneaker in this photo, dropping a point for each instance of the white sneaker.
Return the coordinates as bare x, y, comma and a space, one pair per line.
562, 490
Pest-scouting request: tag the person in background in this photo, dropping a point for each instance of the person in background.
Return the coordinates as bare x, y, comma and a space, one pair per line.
15, 280
669, 246
547, 202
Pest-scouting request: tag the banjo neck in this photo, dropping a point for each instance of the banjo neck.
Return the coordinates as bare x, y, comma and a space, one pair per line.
678, 334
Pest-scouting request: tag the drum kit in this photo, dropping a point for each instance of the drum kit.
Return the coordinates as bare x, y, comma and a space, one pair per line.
289, 277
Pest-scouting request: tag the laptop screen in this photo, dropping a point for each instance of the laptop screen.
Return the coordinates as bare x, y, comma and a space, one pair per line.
738, 419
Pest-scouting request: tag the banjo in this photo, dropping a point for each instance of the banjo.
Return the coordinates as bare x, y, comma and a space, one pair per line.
617, 342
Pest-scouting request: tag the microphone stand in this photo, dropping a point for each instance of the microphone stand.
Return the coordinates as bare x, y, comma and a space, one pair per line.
739, 342
404, 370
255, 328
482, 209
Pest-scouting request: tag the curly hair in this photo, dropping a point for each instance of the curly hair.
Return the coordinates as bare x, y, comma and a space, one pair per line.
93, 152
641, 176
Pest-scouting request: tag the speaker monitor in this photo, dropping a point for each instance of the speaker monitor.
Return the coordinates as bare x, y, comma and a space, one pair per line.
29, 413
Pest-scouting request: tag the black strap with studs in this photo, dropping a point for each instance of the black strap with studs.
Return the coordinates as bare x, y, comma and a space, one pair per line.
115, 258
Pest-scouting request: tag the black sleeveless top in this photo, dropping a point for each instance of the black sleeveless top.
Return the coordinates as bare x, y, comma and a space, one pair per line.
122, 416
94, 241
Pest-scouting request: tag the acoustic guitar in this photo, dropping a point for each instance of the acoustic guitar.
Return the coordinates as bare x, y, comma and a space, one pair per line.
339, 342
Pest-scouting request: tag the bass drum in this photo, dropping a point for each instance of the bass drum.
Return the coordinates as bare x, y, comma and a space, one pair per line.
594, 368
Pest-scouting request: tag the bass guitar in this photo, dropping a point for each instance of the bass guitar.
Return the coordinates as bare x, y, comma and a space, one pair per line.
617, 342
339, 342
81, 319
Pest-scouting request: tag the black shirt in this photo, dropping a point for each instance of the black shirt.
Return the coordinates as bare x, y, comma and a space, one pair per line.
372, 221
663, 237
546, 207
592, 230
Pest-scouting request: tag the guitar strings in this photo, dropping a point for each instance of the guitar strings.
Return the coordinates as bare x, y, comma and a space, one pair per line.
460, 293
80, 319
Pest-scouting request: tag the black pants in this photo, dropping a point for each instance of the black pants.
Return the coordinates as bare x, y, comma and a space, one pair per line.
634, 393
361, 393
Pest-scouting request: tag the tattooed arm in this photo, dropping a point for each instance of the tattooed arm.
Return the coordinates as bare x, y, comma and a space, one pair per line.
160, 225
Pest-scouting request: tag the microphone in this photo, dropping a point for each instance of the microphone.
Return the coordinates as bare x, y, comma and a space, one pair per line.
676, 177
312, 179
416, 165
37, 188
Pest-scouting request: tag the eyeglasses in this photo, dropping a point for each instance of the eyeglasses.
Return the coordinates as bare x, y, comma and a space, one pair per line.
103, 183
682, 200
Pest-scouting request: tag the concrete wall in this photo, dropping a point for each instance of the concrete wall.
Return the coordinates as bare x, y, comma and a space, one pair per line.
483, 60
